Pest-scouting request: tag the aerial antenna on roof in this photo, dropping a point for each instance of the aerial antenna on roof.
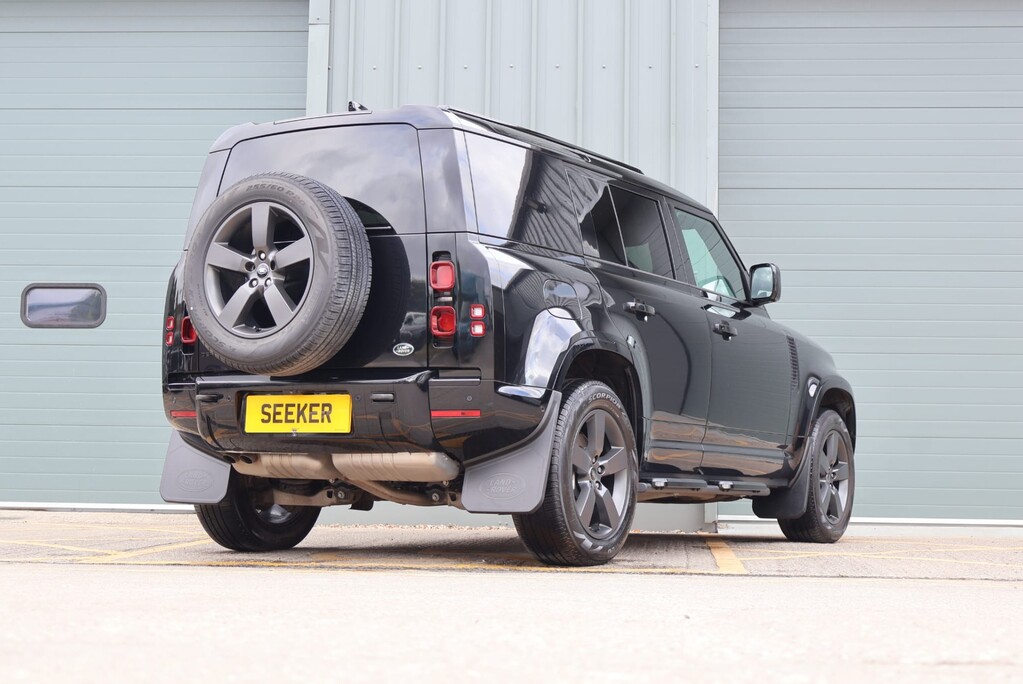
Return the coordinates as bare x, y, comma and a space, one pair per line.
354, 106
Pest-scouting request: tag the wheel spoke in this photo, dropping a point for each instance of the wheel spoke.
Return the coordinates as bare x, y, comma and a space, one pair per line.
296, 252
841, 472
280, 304
831, 447
222, 256
585, 503
609, 511
580, 459
262, 228
595, 432
238, 306
825, 495
834, 507
616, 460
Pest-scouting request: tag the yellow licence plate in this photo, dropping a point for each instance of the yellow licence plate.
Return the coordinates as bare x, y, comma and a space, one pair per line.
306, 413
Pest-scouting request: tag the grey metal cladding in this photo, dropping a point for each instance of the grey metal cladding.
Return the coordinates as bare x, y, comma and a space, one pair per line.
876, 154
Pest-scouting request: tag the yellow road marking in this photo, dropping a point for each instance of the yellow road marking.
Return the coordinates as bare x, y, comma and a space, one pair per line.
47, 545
728, 562
120, 555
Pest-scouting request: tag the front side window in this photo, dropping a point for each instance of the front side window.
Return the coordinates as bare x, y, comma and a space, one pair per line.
714, 267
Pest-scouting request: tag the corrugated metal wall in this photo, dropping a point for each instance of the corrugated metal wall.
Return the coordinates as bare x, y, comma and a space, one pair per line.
628, 79
875, 152
106, 112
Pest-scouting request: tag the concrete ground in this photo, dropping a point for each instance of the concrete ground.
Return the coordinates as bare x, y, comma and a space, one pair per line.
96, 597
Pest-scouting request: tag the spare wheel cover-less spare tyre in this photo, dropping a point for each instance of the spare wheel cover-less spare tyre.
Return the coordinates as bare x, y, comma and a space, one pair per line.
277, 274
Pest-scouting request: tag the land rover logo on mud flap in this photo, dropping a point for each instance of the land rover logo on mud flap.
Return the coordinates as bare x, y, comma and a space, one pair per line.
195, 480
403, 349
502, 486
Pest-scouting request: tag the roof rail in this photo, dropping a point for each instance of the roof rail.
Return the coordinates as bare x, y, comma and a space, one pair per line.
530, 131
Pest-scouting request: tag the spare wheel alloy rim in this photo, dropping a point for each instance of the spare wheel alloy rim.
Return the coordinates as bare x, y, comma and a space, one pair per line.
258, 269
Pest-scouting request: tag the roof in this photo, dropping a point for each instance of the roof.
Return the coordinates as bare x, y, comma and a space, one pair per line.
430, 117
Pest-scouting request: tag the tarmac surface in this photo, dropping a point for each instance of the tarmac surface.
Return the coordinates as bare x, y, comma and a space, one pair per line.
103, 597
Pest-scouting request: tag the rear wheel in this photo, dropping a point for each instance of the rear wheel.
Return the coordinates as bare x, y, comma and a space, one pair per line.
832, 483
591, 488
248, 520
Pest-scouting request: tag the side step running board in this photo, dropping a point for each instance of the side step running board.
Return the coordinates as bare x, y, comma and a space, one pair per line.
692, 484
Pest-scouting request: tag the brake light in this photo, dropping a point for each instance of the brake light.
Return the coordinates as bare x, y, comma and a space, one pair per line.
477, 311
188, 334
477, 328
442, 321
442, 276
170, 323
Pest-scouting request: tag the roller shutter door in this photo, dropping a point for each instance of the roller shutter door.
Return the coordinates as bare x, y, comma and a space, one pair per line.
107, 110
875, 152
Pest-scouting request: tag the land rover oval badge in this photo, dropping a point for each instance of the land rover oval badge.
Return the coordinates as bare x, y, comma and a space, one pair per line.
403, 349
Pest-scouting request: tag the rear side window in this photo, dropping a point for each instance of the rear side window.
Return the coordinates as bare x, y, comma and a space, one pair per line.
646, 247
620, 226
377, 168
521, 195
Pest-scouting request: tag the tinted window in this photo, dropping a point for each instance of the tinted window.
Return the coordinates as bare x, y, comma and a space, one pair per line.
521, 195
376, 166
646, 246
713, 265
52, 305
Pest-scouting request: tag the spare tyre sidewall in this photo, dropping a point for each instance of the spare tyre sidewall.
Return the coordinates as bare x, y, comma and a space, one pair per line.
266, 351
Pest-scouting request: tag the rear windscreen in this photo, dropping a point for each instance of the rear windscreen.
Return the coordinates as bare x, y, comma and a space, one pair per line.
376, 167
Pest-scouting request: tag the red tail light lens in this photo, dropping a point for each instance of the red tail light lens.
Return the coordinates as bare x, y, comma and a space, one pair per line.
188, 335
443, 321
168, 338
169, 325
442, 276
477, 311
477, 328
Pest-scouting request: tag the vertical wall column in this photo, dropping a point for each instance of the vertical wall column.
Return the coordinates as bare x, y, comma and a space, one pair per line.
317, 99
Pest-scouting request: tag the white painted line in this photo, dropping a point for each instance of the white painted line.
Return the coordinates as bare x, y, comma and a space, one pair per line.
101, 508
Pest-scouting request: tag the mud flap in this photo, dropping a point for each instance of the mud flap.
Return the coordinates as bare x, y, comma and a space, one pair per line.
789, 503
514, 482
190, 476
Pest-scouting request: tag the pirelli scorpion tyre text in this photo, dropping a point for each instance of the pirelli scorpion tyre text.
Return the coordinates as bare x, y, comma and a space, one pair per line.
591, 488
277, 274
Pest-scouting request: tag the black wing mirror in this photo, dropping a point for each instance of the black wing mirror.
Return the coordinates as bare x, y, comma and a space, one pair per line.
765, 284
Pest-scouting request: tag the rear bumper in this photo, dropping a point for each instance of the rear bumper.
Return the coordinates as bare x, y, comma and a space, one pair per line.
468, 418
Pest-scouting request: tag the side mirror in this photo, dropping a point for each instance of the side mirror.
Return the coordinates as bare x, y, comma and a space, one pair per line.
765, 284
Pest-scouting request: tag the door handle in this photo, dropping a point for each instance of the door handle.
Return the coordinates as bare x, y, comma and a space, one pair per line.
641, 310
725, 329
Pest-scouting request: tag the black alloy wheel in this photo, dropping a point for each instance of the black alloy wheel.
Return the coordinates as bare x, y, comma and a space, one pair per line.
590, 498
832, 483
258, 269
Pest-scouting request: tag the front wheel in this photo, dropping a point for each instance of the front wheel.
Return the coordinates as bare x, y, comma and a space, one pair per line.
591, 487
832, 483
248, 520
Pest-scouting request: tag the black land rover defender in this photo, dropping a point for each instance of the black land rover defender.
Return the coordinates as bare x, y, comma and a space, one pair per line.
429, 307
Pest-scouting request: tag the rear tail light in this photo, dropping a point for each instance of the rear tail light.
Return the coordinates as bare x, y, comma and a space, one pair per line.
183, 414
442, 276
168, 335
477, 311
443, 321
188, 335
477, 328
